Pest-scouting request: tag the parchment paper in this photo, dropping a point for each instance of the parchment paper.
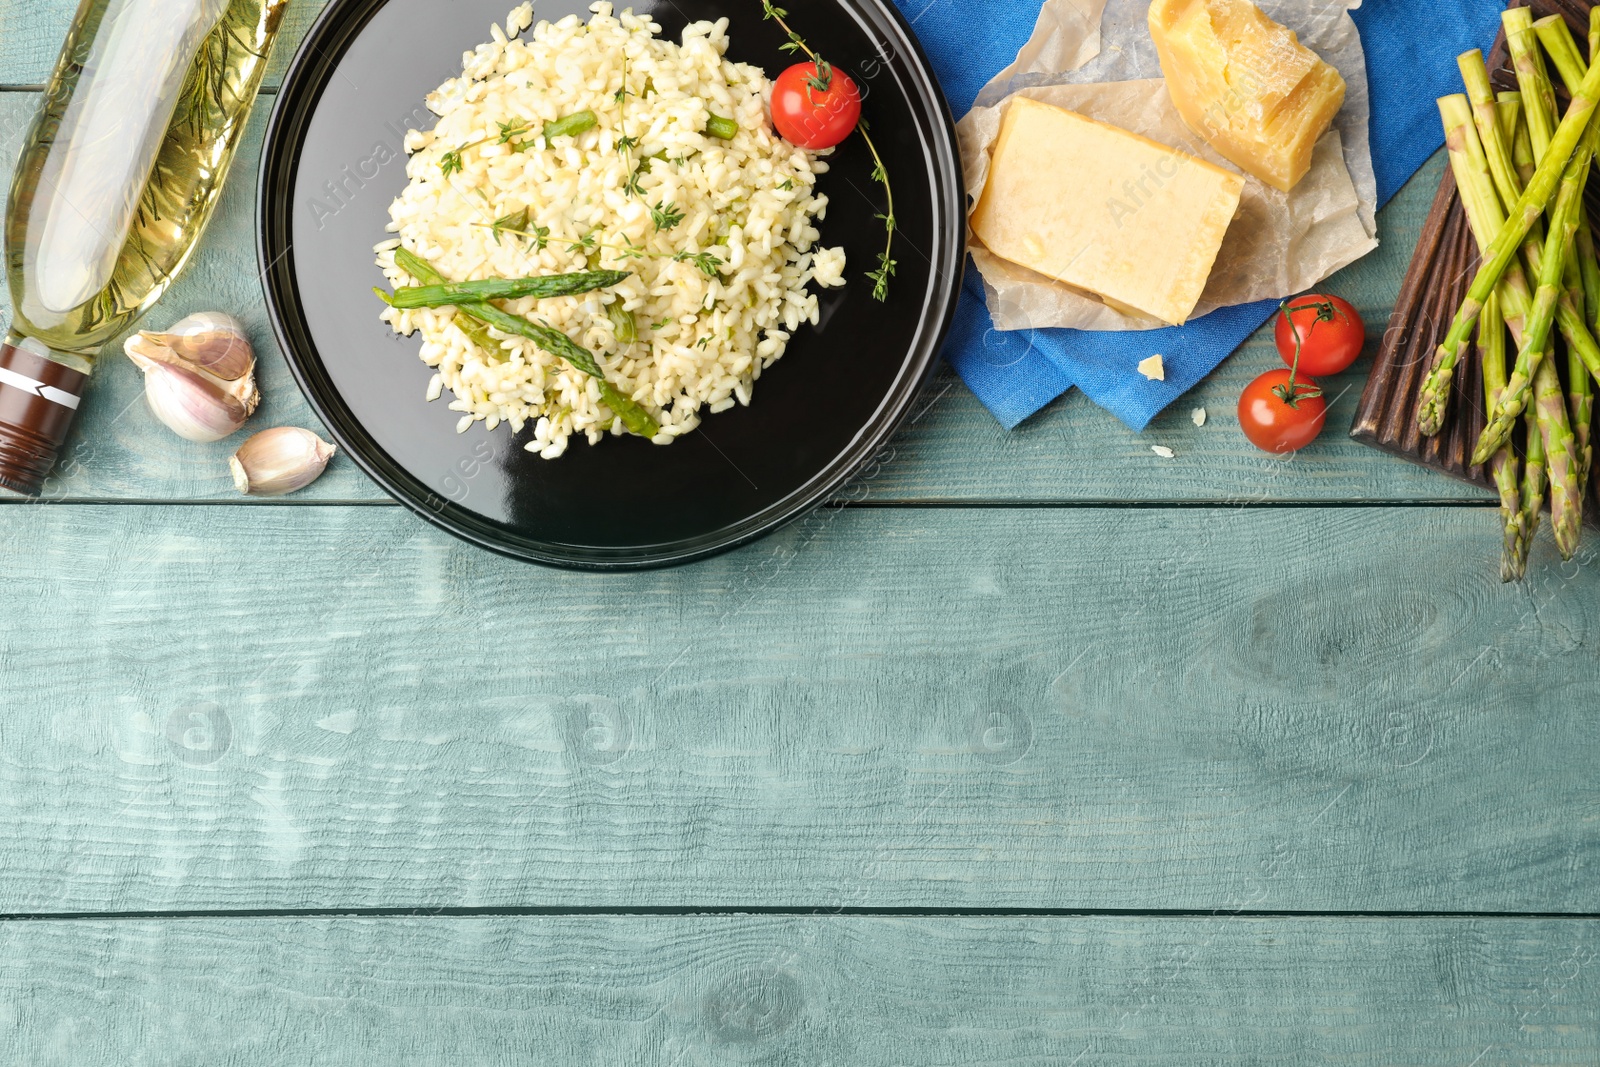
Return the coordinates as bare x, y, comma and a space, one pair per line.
1096, 57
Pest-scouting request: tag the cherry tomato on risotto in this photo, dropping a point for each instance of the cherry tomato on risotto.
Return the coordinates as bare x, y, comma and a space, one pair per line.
815, 108
1330, 332
1278, 416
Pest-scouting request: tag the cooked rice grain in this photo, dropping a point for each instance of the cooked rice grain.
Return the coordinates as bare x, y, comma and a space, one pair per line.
750, 202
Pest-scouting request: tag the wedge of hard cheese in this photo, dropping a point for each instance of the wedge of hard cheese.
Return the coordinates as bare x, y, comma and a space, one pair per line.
1100, 208
1246, 84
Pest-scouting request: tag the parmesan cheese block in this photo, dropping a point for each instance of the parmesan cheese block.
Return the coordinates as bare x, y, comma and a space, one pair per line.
1135, 222
1246, 84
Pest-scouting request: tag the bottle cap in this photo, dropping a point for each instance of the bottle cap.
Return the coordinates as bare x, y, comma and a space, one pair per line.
38, 398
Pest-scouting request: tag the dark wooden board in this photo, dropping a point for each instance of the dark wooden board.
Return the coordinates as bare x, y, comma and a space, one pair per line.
1441, 271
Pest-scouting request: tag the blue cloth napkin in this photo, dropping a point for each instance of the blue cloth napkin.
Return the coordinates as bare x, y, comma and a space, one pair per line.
1411, 50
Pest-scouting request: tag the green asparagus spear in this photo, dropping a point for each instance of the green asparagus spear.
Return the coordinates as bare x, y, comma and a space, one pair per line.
622, 321
1486, 217
1492, 124
634, 417
1561, 458
571, 126
1536, 334
1476, 185
1583, 271
474, 330
1521, 147
1492, 354
542, 288
1547, 178
1538, 97
1556, 36
1534, 483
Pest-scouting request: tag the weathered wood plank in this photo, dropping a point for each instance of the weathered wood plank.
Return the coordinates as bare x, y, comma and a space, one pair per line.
866, 991
31, 32
1281, 709
955, 450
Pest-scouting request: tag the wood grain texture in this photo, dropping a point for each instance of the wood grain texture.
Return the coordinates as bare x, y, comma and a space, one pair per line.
953, 451
711, 990
31, 32
1152, 709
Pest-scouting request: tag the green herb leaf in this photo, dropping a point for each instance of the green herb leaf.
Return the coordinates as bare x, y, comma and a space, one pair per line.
707, 263
517, 222
880, 277
665, 216
450, 163
511, 130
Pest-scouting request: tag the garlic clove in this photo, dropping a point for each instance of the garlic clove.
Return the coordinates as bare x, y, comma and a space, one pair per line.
189, 404
279, 461
192, 402
210, 341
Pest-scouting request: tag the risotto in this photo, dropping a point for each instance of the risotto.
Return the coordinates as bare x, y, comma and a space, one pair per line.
601, 146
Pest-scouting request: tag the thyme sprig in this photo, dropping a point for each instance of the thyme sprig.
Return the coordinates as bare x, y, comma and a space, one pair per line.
665, 216
518, 224
706, 263
820, 82
510, 132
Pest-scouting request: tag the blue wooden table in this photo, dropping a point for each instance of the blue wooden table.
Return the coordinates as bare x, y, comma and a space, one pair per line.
1036, 749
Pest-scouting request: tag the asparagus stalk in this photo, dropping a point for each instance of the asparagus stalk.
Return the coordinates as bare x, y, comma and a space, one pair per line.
474, 330
1521, 146
1535, 198
1492, 123
1557, 39
447, 294
634, 417
1536, 334
1538, 98
1561, 458
1556, 36
1582, 268
1594, 34
1534, 483
1492, 354
1486, 217
1550, 412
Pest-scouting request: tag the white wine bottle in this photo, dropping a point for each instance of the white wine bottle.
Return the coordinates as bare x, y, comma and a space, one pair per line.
121, 171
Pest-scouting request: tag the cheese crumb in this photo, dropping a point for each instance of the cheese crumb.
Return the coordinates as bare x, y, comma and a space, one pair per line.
1154, 369
1163, 451
1199, 416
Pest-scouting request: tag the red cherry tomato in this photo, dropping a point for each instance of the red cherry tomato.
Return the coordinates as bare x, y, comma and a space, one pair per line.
1275, 424
1331, 334
815, 110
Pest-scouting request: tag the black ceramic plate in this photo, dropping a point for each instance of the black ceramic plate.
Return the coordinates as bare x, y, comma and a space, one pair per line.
333, 163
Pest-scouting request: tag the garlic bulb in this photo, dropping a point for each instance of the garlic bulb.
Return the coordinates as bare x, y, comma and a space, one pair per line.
210, 340
279, 461
190, 404
199, 377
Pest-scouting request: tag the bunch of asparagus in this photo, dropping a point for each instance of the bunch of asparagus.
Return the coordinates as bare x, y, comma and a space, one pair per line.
1522, 169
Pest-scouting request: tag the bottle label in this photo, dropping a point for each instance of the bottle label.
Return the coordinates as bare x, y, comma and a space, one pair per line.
38, 398
42, 377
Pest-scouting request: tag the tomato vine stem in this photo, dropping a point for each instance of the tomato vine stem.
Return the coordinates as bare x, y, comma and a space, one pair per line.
821, 81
